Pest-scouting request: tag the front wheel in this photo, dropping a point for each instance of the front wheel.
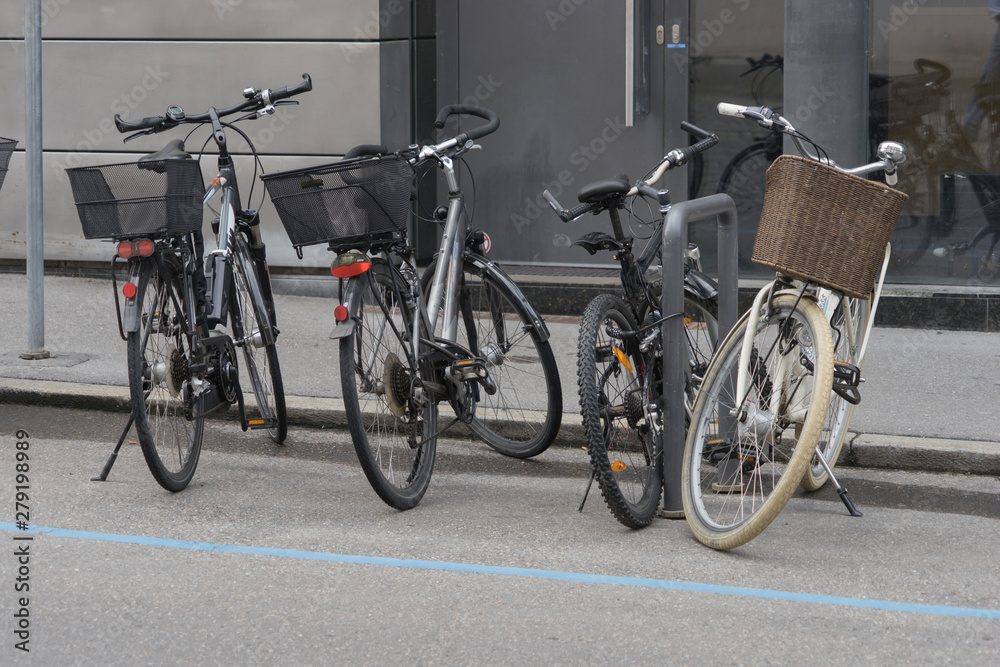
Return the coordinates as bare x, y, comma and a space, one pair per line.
250, 319
392, 417
848, 329
167, 403
522, 416
745, 455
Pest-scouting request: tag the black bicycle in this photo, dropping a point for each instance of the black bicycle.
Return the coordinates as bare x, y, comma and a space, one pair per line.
181, 367
462, 334
620, 349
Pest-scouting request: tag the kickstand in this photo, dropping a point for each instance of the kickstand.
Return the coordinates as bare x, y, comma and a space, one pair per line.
586, 493
103, 477
841, 491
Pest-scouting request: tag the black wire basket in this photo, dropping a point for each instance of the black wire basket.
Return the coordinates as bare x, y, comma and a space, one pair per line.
6, 150
152, 198
354, 204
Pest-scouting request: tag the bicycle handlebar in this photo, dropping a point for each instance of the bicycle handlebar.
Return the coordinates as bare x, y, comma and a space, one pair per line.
493, 121
890, 153
675, 158
256, 99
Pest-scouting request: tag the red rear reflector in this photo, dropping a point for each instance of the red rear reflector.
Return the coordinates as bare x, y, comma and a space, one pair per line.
144, 247
350, 264
128, 289
125, 249
341, 314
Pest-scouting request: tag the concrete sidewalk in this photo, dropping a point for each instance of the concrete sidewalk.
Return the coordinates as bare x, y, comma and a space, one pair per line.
931, 400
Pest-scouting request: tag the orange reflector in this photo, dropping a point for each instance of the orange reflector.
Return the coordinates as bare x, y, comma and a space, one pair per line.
622, 359
340, 313
618, 466
255, 422
128, 289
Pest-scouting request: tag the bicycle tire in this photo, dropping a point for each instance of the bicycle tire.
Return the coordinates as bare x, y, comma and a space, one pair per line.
169, 421
744, 179
247, 310
727, 511
394, 431
495, 327
624, 447
839, 412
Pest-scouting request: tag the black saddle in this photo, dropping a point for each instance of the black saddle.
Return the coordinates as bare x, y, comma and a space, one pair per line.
600, 190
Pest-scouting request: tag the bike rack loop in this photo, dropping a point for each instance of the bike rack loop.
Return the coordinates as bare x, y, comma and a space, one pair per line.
675, 235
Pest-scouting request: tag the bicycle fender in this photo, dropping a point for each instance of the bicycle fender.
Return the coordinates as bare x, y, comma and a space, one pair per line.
700, 285
521, 302
346, 328
132, 311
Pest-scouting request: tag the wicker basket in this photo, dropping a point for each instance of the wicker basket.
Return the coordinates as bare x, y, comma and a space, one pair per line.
152, 198
352, 204
6, 150
825, 226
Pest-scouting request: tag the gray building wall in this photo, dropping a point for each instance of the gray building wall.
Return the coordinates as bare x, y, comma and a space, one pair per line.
136, 57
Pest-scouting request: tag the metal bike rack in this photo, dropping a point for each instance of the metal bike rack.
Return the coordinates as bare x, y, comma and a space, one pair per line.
675, 239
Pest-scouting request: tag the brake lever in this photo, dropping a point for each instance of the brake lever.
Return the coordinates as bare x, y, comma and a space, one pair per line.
137, 135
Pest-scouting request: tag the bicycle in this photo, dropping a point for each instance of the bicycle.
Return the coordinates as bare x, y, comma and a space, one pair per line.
180, 368
620, 349
463, 333
779, 393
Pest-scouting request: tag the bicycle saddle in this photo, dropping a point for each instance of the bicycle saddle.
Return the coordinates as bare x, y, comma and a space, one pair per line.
174, 150
599, 190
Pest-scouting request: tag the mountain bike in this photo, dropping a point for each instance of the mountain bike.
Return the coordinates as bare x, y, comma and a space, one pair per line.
181, 368
620, 349
461, 334
778, 395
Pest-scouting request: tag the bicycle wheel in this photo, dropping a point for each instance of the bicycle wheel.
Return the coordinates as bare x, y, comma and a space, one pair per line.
169, 418
393, 421
701, 329
741, 460
249, 318
624, 446
847, 335
743, 179
522, 418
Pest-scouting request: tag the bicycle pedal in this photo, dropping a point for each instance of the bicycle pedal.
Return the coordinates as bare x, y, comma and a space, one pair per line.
846, 378
258, 424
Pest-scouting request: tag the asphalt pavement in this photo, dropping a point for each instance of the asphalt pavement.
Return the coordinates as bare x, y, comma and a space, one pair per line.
930, 400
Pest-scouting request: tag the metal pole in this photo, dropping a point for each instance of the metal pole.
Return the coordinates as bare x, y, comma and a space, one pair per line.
674, 340
34, 232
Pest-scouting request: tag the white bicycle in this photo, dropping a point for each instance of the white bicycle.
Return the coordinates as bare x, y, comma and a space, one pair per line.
779, 394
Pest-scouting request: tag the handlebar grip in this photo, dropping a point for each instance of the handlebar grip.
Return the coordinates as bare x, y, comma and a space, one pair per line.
572, 213
734, 110
695, 130
493, 120
365, 149
285, 92
689, 152
143, 124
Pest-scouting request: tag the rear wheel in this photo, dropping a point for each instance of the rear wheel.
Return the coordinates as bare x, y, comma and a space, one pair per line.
522, 417
393, 419
745, 455
166, 401
250, 319
623, 443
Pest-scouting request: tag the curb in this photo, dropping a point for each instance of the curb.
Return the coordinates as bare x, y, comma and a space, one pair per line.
865, 450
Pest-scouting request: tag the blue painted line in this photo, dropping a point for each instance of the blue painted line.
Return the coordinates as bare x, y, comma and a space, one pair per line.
552, 575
